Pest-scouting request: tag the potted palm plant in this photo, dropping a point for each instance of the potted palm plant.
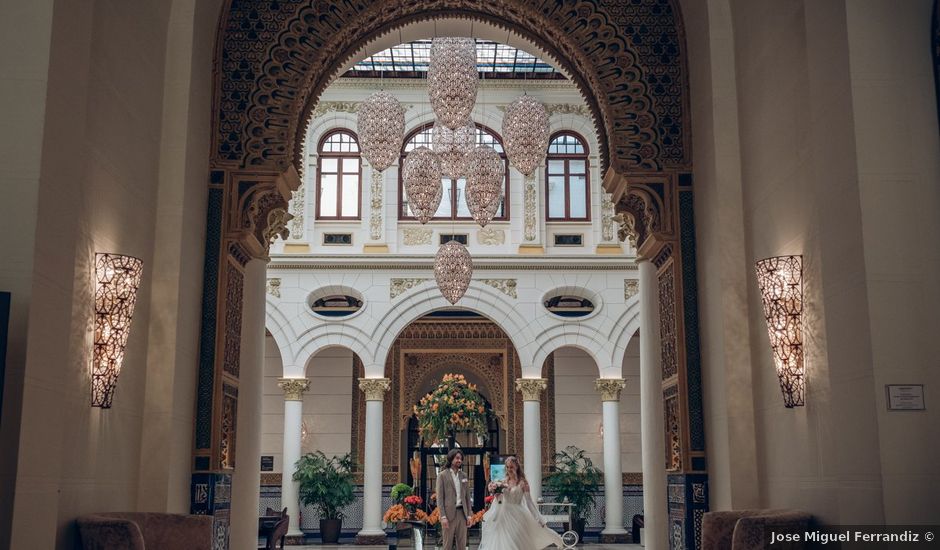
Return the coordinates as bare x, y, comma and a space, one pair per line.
575, 479
326, 485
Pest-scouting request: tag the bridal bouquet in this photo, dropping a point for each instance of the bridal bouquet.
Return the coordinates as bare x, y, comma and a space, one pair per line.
497, 487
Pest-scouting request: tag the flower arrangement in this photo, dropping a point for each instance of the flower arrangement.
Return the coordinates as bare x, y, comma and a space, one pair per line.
489, 499
398, 513
455, 405
476, 518
435, 516
412, 502
400, 491
497, 487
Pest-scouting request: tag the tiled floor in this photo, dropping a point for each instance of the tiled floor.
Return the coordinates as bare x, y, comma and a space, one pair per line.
472, 547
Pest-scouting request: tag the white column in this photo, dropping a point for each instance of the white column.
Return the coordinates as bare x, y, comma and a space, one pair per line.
531, 389
246, 481
655, 509
294, 389
613, 472
374, 389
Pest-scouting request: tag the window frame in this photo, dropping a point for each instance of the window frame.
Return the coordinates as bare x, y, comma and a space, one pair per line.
340, 156
403, 216
567, 158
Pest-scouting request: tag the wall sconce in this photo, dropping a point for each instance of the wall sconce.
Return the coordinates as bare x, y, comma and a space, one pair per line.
780, 279
117, 279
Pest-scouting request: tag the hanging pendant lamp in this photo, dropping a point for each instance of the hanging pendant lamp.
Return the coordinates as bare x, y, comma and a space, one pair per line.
453, 268
452, 79
381, 128
421, 176
485, 177
526, 132
452, 146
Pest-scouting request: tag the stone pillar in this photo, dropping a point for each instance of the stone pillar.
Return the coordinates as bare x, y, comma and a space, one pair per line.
531, 389
652, 430
246, 481
372, 533
609, 389
294, 389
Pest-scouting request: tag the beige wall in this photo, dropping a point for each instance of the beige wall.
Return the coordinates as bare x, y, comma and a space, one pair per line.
98, 171
327, 408
895, 111
578, 406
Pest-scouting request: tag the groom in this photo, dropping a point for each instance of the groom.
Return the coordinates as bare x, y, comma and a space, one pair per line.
453, 500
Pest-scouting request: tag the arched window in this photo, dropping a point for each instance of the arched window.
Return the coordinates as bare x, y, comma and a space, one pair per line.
454, 202
567, 184
339, 176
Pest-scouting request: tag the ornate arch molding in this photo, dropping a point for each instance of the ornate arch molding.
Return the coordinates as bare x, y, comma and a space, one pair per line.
486, 372
641, 214
275, 57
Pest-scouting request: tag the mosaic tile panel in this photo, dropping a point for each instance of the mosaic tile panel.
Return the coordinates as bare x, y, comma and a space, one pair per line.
210, 288
693, 357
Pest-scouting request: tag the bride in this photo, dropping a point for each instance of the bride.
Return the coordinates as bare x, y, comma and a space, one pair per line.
513, 522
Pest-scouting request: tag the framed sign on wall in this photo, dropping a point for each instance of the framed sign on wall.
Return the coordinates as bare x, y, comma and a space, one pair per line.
905, 397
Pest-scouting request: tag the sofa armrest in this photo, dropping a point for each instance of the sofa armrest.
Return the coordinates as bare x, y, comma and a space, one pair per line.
718, 527
171, 531
107, 533
751, 533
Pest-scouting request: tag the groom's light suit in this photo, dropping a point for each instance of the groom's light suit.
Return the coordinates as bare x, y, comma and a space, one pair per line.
455, 536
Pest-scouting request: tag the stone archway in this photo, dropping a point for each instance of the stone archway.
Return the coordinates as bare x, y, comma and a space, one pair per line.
274, 58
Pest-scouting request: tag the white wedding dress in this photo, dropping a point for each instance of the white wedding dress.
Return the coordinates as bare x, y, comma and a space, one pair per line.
515, 524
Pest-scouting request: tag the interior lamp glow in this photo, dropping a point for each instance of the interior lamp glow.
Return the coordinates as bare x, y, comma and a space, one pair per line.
117, 279
780, 279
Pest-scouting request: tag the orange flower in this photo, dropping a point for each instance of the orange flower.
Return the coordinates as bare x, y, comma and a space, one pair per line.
476, 518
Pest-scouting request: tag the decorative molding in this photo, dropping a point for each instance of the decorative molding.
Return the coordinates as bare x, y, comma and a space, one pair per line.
297, 210
531, 208
398, 263
277, 226
667, 322
294, 388
506, 286
414, 236
626, 228
609, 388
531, 388
579, 109
377, 192
324, 107
491, 236
274, 287
399, 286
607, 218
631, 288
374, 388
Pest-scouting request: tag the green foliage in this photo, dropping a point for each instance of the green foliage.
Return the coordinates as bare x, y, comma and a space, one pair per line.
326, 484
576, 478
400, 491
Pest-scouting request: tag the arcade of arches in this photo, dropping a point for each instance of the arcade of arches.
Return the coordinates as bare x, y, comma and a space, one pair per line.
288, 300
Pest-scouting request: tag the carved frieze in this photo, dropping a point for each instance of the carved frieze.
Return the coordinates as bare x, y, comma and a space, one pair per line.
399, 286
415, 236
490, 236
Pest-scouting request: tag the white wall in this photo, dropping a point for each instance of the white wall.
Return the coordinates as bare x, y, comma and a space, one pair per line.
895, 112
327, 407
578, 406
98, 172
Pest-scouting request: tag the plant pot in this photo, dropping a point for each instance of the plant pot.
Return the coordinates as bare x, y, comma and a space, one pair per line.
329, 530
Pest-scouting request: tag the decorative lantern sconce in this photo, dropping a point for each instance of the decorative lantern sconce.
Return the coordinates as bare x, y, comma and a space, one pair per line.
780, 280
117, 279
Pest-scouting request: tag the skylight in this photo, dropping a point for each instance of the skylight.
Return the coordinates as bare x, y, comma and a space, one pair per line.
492, 57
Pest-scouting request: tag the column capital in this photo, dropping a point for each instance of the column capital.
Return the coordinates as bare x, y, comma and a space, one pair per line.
531, 388
609, 388
294, 388
374, 388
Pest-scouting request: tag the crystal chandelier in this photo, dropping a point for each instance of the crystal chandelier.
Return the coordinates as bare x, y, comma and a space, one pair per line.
452, 146
485, 176
525, 129
422, 179
453, 268
381, 128
452, 79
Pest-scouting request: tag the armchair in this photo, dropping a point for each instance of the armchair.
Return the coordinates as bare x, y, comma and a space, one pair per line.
744, 529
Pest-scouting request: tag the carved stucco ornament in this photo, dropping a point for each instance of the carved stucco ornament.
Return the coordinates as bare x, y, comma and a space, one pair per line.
490, 236
506, 286
374, 388
399, 286
414, 236
607, 218
630, 288
531, 388
377, 191
294, 388
274, 287
609, 388
531, 208
626, 228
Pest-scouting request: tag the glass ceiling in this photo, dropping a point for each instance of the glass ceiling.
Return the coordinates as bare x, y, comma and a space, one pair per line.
491, 58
